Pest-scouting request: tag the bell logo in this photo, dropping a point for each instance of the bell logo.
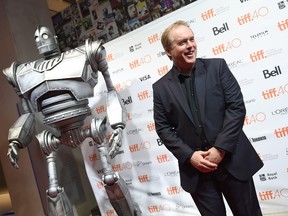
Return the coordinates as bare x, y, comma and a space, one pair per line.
159, 142
267, 74
222, 29
127, 101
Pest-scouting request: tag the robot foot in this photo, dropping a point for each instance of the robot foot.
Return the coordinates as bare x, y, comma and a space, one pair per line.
59, 205
121, 199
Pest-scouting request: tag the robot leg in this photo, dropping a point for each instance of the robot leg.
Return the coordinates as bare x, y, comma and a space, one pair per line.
58, 202
119, 196
116, 188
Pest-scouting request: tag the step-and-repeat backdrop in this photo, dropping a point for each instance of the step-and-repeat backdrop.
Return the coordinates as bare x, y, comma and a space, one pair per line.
252, 37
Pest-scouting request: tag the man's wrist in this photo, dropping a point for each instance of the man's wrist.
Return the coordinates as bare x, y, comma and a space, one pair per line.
222, 151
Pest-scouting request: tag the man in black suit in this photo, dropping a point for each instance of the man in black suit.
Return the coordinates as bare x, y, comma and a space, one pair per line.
199, 114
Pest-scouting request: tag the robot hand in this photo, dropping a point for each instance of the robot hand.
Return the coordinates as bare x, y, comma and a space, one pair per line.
13, 154
116, 142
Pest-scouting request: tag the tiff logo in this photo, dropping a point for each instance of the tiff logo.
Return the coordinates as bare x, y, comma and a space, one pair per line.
100, 109
174, 190
153, 38
151, 127
283, 25
93, 157
254, 118
162, 158
221, 48
109, 57
281, 132
143, 178
208, 14
267, 195
249, 17
158, 208
143, 95
162, 70
257, 56
139, 147
139, 62
272, 93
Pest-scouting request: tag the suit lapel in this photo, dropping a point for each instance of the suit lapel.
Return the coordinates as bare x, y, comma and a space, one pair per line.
200, 85
175, 87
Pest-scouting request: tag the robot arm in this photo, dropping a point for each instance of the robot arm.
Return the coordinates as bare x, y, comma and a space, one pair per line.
20, 133
117, 118
116, 112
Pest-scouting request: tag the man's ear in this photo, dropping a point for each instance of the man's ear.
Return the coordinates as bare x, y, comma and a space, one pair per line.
168, 53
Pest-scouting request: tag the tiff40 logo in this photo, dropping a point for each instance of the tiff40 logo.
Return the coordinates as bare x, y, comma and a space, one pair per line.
251, 16
224, 47
159, 208
254, 118
140, 61
277, 194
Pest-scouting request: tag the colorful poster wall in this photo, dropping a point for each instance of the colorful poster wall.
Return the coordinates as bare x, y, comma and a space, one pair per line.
108, 19
252, 37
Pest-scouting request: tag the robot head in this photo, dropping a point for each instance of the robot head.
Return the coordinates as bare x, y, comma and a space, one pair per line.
46, 41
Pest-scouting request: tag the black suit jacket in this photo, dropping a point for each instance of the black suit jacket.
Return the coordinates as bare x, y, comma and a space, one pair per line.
222, 114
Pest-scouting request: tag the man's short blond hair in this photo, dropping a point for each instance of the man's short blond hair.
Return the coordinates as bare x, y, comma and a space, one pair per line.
165, 38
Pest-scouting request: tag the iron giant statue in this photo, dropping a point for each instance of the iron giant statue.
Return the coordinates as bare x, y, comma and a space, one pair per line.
59, 86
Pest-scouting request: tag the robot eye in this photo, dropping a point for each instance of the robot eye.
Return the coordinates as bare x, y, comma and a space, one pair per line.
45, 36
36, 38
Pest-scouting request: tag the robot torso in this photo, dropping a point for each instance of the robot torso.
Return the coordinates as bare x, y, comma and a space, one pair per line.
70, 72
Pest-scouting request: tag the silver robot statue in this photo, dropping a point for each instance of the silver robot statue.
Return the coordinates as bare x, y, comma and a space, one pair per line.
59, 86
